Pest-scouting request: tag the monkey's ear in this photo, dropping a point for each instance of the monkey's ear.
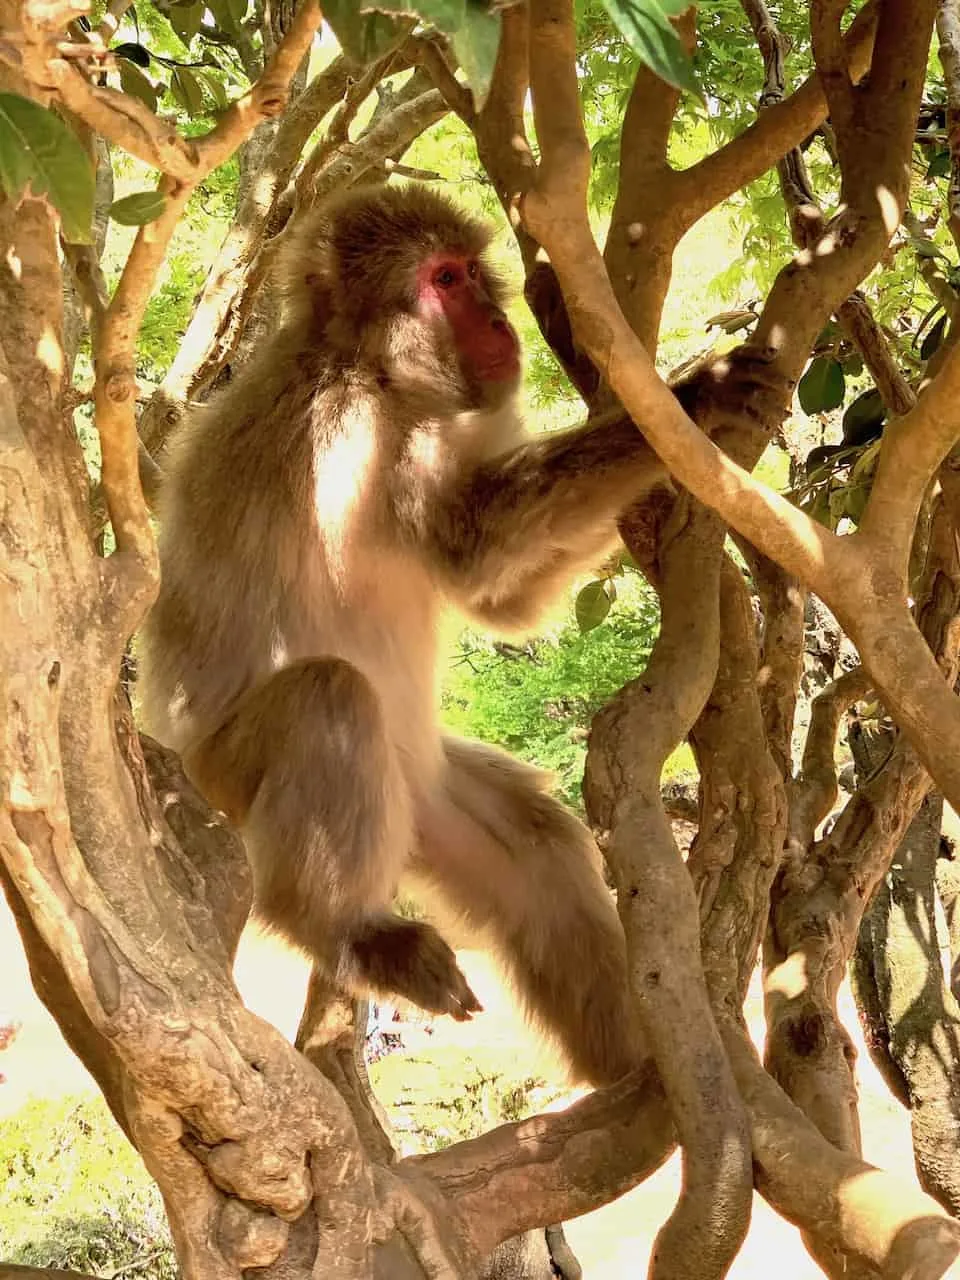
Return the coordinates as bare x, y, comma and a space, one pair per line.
303, 274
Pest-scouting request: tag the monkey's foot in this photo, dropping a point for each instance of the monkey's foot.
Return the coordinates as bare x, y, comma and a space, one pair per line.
410, 959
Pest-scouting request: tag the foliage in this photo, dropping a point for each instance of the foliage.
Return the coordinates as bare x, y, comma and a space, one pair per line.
38, 151
168, 314
76, 1194
537, 700
439, 1096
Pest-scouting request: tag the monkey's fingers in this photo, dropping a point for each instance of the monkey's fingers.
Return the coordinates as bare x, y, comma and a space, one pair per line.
466, 1004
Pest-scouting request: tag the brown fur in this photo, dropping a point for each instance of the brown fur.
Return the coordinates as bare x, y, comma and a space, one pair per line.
315, 517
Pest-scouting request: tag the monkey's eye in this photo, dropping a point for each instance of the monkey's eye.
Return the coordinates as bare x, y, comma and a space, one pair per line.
445, 277
473, 270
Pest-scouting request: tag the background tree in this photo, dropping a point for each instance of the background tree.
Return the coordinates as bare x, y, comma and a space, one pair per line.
130, 895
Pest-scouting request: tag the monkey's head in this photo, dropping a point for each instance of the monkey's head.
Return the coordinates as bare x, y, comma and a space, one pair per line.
397, 281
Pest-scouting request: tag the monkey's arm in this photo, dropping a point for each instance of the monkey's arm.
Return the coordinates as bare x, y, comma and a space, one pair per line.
508, 536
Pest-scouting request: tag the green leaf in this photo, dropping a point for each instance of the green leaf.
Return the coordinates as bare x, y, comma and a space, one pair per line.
186, 90
863, 417
229, 14
475, 42
822, 386
215, 88
141, 207
939, 166
827, 335
185, 20
837, 502
864, 466
38, 149
926, 248
135, 53
134, 82
819, 509
593, 603
855, 496
363, 35
645, 25
472, 25
934, 338
445, 15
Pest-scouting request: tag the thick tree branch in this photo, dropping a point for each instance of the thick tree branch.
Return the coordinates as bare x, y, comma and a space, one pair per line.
738, 846
630, 740
870, 602
646, 222
556, 1166
912, 450
850, 1206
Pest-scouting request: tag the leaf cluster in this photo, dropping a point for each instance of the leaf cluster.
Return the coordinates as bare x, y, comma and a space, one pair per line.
537, 700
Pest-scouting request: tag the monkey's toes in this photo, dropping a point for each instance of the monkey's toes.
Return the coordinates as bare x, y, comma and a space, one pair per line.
442, 986
411, 959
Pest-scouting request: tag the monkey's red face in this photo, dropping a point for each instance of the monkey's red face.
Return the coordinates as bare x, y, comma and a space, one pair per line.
452, 286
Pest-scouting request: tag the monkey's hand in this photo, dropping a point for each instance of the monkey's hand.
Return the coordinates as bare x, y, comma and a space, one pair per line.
410, 959
740, 383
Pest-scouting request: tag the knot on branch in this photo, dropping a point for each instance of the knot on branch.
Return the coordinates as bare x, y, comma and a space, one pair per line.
120, 385
806, 1034
271, 97
257, 1164
250, 1237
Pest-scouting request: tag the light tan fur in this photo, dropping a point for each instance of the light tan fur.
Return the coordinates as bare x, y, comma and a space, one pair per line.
316, 516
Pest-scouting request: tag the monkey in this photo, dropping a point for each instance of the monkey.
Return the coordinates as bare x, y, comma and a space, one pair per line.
366, 469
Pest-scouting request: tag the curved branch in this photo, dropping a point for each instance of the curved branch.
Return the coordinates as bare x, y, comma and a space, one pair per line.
912, 449
777, 130
847, 1204
630, 740
815, 791
553, 1167
431, 54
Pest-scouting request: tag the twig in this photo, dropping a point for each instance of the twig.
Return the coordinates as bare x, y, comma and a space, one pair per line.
433, 55
138, 1264
133, 570
111, 19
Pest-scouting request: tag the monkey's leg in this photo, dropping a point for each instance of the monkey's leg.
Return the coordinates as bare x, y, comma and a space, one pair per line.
304, 768
515, 862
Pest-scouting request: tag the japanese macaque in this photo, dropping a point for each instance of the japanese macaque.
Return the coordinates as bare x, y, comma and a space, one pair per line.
366, 468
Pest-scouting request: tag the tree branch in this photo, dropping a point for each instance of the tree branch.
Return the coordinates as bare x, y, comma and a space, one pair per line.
778, 129
912, 449
630, 739
815, 791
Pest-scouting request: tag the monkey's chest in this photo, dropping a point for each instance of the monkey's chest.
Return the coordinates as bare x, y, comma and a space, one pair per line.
385, 624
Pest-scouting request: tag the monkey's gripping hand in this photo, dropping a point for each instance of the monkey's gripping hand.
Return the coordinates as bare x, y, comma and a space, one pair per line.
409, 958
739, 384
